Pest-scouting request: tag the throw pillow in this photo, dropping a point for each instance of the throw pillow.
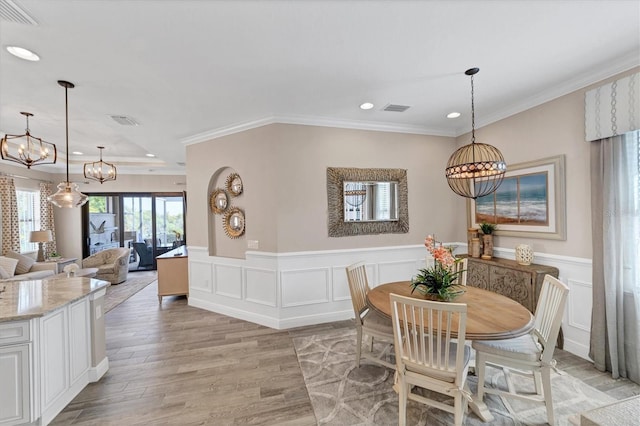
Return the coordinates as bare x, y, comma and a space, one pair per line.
3, 274
9, 265
24, 262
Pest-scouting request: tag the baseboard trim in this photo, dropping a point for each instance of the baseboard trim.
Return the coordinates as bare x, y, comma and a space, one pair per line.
96, 373
232, 312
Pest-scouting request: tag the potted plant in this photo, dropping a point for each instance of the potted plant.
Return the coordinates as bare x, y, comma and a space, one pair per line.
54, 256
487, 239
440, 280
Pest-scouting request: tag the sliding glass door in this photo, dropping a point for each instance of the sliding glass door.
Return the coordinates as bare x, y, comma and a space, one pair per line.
148, 224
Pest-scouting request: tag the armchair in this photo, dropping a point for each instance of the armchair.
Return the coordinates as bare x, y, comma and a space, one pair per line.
145, 253
112, 264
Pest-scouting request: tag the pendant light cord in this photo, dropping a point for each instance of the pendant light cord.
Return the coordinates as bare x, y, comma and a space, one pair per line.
473, 115
66, 113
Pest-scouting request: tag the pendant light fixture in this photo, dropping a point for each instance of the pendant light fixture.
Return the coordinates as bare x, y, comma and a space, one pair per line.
100, 170
477, 169
29, 150
68, 195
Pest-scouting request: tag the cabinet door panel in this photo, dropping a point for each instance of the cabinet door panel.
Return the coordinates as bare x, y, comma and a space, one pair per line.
514, 284
79, 343
55, 371
14, 392
478, 275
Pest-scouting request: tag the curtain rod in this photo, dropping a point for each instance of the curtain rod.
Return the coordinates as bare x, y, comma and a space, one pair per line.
24, 177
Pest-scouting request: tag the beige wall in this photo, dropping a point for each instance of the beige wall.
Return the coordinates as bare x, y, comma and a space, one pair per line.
284, 172
283, 168
553, 128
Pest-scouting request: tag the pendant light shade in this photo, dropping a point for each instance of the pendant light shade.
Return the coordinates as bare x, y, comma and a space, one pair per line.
68, 195
477, 169
100, 170
27, 150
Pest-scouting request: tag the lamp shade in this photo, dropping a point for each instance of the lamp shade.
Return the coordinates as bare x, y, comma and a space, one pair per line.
68, 196
40, 236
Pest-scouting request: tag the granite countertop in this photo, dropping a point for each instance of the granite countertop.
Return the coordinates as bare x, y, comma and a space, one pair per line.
21, 300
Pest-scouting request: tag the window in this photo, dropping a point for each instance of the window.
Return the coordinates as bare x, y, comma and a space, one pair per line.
28, 217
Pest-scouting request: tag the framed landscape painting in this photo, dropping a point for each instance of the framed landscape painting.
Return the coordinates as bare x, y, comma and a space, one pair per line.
530, 202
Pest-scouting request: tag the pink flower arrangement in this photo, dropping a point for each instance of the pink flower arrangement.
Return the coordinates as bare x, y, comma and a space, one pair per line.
440, 279
440, 253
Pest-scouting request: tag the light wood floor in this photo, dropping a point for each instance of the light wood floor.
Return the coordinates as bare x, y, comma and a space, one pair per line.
179, 365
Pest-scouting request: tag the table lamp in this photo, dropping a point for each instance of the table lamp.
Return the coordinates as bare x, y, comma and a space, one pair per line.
40, 237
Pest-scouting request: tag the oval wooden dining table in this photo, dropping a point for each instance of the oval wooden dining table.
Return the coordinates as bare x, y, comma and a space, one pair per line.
490, 316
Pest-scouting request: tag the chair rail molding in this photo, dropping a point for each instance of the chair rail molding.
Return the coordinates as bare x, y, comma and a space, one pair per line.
285, 290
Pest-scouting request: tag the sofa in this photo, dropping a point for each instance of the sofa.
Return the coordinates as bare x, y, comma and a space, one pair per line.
19, 267
112, 264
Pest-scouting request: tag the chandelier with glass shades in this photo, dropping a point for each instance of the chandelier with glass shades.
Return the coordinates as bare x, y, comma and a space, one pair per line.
68, 195
100, 170
477, 169
26, 149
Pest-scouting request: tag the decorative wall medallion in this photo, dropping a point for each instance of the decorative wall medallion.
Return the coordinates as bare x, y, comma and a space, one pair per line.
234, 184
219, 201
234, 222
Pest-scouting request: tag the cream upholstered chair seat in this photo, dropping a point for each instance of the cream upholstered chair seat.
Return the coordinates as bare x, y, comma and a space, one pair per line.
374, 321
524, 347
530, 355
112, 264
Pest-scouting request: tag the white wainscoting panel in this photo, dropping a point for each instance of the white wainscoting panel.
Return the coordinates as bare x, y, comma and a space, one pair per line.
228, 280
261, 286
400, 270
200, 275
305, 287
579, 313
283, 290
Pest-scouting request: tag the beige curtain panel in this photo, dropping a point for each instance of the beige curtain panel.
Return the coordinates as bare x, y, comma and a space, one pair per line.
10, 224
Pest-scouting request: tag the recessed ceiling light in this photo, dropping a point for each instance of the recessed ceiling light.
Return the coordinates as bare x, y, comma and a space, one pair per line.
77, 153
366, 105
23, 53
453, 115
150, 155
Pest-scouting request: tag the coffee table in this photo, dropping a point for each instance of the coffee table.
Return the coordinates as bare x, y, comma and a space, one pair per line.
85, 272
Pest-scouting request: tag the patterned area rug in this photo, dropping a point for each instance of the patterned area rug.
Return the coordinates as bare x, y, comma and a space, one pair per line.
116, 294
342, 394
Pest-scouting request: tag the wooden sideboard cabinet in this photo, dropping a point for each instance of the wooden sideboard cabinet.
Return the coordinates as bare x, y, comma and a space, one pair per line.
173, 274
521, 283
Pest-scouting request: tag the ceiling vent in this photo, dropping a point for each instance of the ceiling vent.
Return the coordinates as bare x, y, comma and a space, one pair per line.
181, 163
124, 120
11, 12
396, 108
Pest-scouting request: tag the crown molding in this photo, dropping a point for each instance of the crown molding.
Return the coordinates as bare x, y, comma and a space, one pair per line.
592, 76
313, 121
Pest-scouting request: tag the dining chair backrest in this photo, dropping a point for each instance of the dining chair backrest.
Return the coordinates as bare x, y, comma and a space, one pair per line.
548, 316
461, 267
358, 286
423, 332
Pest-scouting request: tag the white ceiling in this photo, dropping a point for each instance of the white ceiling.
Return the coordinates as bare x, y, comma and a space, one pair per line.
191, 70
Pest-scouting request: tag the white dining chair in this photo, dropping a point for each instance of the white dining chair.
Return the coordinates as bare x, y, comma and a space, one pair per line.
427, 355
368, 322
461, 267
530, 355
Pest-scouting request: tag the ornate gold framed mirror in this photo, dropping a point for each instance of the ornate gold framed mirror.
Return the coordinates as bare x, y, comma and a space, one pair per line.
234, 222
219, 201
234, 184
